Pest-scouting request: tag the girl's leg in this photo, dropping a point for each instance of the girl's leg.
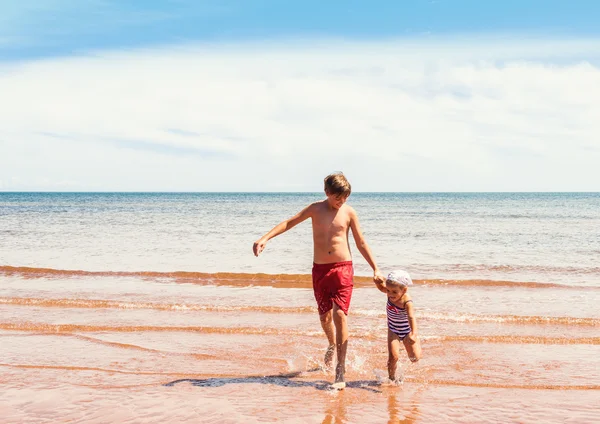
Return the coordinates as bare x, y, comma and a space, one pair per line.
413, 348
393, 354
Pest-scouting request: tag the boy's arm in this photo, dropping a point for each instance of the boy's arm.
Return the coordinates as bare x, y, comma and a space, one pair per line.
363, 247
282, 227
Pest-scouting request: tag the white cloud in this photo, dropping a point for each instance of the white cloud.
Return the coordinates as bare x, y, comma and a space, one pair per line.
403, 115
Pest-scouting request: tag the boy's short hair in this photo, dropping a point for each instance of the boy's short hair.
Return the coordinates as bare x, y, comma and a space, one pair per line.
399, 278
337, 184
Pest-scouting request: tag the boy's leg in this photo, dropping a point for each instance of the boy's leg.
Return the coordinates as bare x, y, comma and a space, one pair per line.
332, 285
393, 354
324, 305
341, 341
327, 325
413, 348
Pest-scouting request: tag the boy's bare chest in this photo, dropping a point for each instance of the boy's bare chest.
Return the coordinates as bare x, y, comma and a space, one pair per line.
330, 222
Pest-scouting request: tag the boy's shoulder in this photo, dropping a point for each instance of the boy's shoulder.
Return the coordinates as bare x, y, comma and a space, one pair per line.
347, 209
350, 211
316, 206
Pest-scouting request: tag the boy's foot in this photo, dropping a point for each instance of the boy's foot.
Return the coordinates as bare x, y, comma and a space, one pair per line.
340, 385
339, 377
329, 356
393, 382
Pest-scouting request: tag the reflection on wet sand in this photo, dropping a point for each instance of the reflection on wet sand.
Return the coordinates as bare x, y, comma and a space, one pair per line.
405, 411
335, 411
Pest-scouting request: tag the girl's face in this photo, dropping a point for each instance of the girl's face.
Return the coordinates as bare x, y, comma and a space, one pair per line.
395, 292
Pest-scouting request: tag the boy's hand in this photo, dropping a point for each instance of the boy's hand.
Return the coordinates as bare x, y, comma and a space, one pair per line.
378, 278
258, 246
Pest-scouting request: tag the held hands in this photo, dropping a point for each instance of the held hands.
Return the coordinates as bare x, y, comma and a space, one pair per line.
378, 278
259, 246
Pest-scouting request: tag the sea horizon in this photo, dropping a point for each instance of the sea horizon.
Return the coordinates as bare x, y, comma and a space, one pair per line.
297, 192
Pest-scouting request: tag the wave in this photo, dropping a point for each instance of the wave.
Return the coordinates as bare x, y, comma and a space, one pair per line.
85, 328
114, 304
518, 339
73, 368
537, 269
513, 319
45, 328
465, 318
256, 279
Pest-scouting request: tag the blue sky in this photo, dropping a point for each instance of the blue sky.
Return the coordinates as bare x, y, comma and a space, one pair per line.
268, 95
33, 28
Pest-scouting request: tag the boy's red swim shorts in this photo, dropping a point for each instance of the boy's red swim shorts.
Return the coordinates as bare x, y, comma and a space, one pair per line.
333, 283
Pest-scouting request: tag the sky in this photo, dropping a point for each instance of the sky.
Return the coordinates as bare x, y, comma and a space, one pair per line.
270, 95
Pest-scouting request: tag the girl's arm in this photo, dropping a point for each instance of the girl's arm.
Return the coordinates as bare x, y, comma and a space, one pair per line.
381, 286
410, 311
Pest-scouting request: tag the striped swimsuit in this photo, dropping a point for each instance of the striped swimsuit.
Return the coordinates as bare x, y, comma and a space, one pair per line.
398, 319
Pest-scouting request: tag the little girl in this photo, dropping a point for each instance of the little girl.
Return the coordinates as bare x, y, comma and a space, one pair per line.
402, 325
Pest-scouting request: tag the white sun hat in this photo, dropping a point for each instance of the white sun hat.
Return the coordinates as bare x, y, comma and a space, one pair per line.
401, 277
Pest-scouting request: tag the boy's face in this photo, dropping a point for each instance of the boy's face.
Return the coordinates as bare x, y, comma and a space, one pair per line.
395, 293
336, 200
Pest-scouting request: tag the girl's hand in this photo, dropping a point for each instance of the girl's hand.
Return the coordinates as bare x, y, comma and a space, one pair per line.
412, 337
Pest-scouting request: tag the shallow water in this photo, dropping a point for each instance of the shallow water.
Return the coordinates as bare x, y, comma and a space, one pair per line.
119, 348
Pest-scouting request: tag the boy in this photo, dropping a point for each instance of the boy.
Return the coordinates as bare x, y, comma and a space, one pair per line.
332, 271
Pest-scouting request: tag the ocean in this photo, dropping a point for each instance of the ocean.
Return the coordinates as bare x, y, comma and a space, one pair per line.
151, 307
